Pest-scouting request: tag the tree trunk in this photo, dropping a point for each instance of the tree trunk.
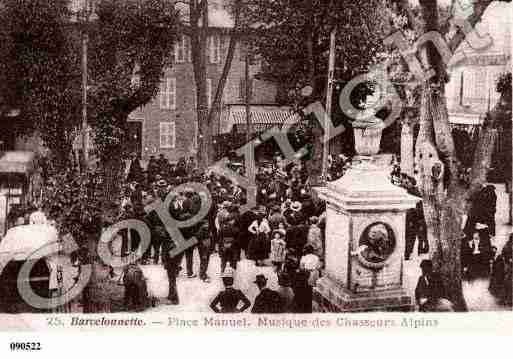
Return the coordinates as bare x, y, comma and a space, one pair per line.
218, 97
407, 149
88, 293
112, 171
314, 165
199, 12
441, 208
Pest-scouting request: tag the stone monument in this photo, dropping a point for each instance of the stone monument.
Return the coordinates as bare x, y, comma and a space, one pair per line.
365, 233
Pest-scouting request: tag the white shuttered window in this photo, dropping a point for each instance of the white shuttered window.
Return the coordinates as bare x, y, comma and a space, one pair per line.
168, 94
167, 135
183, 50
209, 92
215, 49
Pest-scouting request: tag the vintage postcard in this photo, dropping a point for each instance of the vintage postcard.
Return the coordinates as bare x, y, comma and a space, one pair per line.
255, 165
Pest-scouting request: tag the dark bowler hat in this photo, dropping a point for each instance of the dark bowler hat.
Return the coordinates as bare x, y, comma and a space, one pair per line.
260, 279
426, 263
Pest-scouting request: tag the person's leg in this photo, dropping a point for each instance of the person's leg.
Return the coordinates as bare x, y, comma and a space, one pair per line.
215, 238
156, 243
423, 244
233, 259
223, 261
410, 243
136, 240
204, 254
172, 272
492, 225
308, 300
147, 253
124, 242
189, 256
173, 294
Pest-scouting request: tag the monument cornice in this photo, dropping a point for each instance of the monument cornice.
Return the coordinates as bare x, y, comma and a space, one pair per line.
485, 60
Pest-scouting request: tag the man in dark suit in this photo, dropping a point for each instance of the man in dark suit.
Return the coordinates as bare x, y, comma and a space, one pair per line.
230, 298
267, 301
296, 237
429, 293
172, 266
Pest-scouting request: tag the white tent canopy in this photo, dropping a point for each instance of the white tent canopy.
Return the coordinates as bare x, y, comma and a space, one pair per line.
28, 241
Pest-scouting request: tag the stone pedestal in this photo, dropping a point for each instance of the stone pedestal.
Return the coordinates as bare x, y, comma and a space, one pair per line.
364, 242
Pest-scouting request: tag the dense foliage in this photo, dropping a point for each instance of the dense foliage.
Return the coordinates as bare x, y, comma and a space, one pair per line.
130, 47
38, 71
292, 38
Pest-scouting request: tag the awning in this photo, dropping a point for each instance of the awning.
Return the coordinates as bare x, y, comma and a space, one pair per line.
467, 121
17, 162
263, 117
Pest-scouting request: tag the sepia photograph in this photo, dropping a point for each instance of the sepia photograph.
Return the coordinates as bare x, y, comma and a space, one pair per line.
255, 164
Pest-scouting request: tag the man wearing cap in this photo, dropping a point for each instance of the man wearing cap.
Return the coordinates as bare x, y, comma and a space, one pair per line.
430, 292
230, 298
267, 301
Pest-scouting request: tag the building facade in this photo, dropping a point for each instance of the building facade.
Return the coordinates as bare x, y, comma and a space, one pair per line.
168, 125
477, 65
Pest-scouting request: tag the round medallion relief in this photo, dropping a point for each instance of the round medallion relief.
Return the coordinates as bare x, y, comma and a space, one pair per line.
376, 245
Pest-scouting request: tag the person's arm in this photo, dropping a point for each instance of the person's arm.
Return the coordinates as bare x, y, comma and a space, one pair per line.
215, 303
265, 227
245, 302
317, 263
252, 228
256, 307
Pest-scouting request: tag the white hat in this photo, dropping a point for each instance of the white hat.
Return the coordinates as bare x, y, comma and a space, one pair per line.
481, 226
228, 273
37, 217
296, 206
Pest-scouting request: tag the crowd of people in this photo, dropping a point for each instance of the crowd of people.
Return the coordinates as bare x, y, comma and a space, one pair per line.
284, 229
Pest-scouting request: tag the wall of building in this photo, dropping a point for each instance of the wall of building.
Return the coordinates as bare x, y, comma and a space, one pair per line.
483, 58
183, 114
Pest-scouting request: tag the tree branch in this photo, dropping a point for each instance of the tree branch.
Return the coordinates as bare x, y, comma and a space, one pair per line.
228, 62
480, 7
405, 5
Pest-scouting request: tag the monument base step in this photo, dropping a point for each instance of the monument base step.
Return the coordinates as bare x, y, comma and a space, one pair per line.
330, 296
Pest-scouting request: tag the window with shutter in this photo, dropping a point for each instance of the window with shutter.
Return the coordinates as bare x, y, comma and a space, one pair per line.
182, 50
480, 95
195, 138
167, 135
468, 87
215, 49
209, 92
242, 89
168, 94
